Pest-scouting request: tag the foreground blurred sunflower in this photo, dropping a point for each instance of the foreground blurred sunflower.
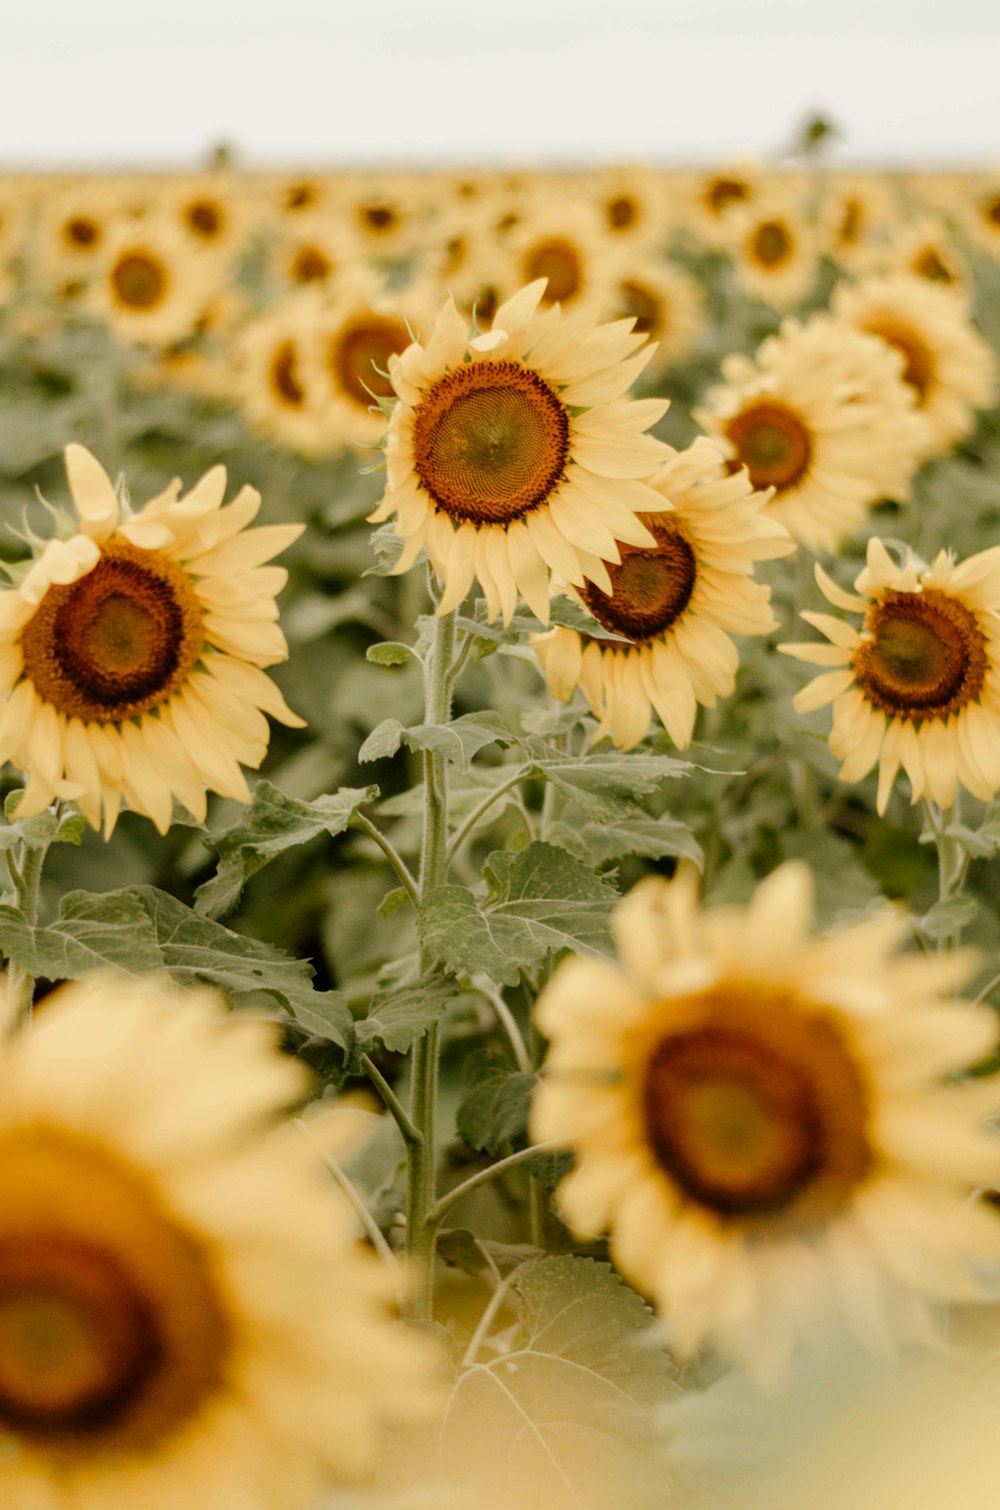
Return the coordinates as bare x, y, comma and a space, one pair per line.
130, 652
515, 453
821, 415
764, 1120
673, 606
918, 685
185, 1318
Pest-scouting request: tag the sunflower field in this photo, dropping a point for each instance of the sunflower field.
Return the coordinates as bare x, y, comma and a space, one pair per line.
500, 723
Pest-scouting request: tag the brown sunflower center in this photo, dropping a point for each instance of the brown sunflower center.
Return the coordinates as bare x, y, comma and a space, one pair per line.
651, 587
929, 263
924, 655
284, 375
82, 232
621, 212
111, 1329
490, 442
755, 1112
310, 265
379, 218
991, 209
117, 642
205, 218
139, 280
639, 301
301, 196
851, 222
772, 442
359, 354
558, 260
771, 243
918, 359
722, 193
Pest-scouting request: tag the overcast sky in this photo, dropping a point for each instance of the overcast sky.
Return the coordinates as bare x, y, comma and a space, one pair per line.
384, 81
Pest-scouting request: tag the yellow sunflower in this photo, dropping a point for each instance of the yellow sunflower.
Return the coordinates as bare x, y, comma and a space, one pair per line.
635, 205
672, 606
774, 250
515, 453
764, 1120
855, 212
924, 248
131, 651
561, 241
822, 416
154, 286
948, 364
273, 375
918, 685
666, 302
714, 196
185, 1317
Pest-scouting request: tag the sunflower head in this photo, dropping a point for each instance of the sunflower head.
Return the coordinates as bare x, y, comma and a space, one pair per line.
760, 1118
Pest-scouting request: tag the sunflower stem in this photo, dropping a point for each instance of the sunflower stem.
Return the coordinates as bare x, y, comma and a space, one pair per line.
421, 1235
391, 853
953, 862
26, 876
440, 1209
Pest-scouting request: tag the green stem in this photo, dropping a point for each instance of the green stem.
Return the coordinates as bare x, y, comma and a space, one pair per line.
440, 1209
421, 1235
392, 1102
953, 862
26, 877
466, 828
392, 854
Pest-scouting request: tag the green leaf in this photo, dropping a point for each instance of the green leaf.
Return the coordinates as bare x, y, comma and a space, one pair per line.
471, 1253
493, 1114
389, 653
602, 783
195, 948
273, 824
90, 933
398, 1016
459, 741
387, 547
981, 843
566, 1414
39, 832
945, 919
628, 834
539, 900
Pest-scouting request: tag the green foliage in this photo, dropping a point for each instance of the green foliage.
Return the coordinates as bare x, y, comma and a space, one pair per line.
493, 1114
399, 1015
458, 741
536, 901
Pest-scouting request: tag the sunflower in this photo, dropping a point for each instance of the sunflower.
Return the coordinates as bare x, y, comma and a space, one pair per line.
855, 212
948, 364
821, 414
131, 652
666, 302
515, 453
274, 378
761, 1118
561, 241
774, 251
979, 205
714, 196
357, 330
672, 606
310, 249
169, 1331
924, 248
635, 205
153, 285
918, 685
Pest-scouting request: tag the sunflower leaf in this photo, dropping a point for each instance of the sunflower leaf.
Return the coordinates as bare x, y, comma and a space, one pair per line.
48, 827
399, 1016
602, 783
493, 1114
628, 834
538, 900
459, 741
273, 824
92, 932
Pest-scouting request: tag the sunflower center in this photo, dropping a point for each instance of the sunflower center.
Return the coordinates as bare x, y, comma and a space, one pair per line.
651, 587
621, 212
723, 193
918, 359
929, 264
771, 243
204, 218
490, 442
310, 265
112, 1332
991, 210
926, 656
284, 375
81, 231
378, 217
117, 642
754, 1113
772, 443
359, 354
644, 306
139, 280
559, 261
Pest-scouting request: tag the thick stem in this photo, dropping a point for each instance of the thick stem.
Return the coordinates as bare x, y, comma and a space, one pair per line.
421, 1235
440, 1209
953, 862
27, 878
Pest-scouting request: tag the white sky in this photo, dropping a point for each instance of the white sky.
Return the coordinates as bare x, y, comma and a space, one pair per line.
101, 82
